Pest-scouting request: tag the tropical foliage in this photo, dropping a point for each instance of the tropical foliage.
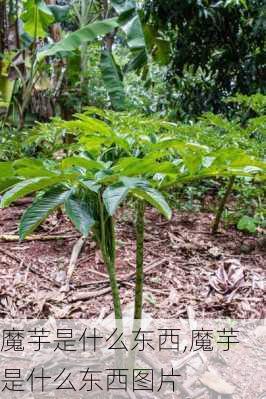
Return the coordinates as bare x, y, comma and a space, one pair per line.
107, 104
110, 161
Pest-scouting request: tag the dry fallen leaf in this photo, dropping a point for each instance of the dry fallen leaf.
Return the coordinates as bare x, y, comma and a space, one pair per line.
260, 331
258, 282
216, 383
228, 277
173, 298
215, 252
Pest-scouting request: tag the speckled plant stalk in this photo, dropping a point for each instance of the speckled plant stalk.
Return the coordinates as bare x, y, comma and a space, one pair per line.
107, 245
222, 205
140, 209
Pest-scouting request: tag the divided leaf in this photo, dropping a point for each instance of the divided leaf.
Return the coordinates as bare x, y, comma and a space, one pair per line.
82, 162
26, 187
155, 198
116, 193
80, 213
41, 209
113, 196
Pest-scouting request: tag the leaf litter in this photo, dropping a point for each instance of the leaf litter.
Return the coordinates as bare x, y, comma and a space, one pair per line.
189, 274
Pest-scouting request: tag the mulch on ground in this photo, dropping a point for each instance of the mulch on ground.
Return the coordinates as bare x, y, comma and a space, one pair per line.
183, 263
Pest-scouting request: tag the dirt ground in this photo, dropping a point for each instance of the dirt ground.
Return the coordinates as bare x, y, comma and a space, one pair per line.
218, 276
187, 270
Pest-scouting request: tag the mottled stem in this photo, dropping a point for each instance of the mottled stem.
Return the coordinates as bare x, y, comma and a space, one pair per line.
140, 209
222, 205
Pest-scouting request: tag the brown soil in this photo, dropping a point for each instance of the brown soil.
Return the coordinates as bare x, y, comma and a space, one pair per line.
183, 253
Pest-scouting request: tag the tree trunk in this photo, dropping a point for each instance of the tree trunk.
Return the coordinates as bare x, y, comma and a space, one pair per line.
4, 27
9, 40
9, 37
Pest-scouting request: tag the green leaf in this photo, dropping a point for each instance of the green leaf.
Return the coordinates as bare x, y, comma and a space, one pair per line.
157, 46
116, 193
133, 30
131, 166
88, 125
82, 162
91, 185
26, 187
6, 91
138, 61
59, 12
73, 40
93, 143
247, 223
27, 162
179, 146
6, 169
41, 209
30, 168
79, 211
112, 79
29, 173
235, 161
5, 183
113, 196
130, 23
36, 17
123, 6
155, 198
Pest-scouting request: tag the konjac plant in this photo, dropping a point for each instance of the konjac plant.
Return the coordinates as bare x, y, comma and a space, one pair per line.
108, 166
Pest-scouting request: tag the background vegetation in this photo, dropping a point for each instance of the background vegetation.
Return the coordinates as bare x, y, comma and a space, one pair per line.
149, 102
